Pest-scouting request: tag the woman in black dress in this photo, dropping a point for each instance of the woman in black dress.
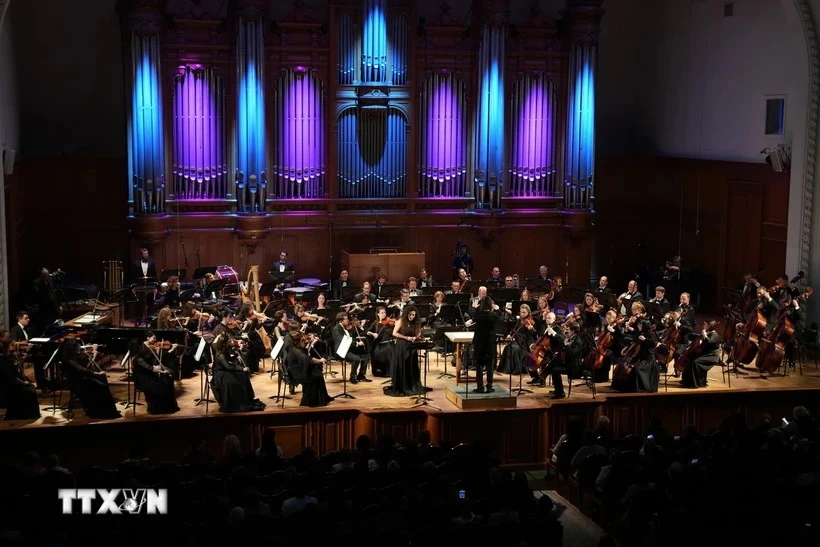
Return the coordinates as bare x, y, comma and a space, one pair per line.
642, 372
152, 377
695, 375
406, 371
381, 344
88, 382
521, 338
306, 369
231, 383
17, 393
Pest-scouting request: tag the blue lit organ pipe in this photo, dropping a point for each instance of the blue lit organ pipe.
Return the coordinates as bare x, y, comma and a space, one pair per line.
397, 45
145, 137
489, 135
250, 146
580, 142
374, 34
346, 50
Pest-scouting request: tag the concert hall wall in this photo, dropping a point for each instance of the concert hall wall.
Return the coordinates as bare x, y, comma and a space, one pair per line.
725, 217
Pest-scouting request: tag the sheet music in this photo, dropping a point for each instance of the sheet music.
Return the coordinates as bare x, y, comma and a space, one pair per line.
274, 353
344, 347
199, 349
125, 359
39, 340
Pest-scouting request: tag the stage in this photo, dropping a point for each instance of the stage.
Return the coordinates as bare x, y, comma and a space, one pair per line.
521, 435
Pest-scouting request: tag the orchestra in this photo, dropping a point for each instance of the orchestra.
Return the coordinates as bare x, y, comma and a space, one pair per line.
625, 339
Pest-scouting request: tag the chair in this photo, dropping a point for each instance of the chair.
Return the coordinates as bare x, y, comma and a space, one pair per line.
809, 342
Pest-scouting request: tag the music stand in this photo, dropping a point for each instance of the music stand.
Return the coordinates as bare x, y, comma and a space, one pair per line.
54, 406
130, 402
275, 355
144, 288
653, 309
423, 399
460, 303
471, 287
204, 383
574, 294
542, 286
342, 351
348, 293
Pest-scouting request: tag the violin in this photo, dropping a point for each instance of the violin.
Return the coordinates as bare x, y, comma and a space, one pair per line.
164, 345
388, 322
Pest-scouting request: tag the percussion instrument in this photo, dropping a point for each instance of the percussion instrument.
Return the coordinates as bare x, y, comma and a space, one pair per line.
310, 282
297, 290
231, 278
112, 275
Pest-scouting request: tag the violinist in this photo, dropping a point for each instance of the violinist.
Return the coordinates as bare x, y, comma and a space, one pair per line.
321, 303
556, 340
541, 311
568, 361
381, 347
88, 382
250, 323
591, 310
709, 356
520, 339
17, 393
306, 367
281, 331
631, 295
152, 377
231, 383
170, 291
645, 374
357, 355
406, 373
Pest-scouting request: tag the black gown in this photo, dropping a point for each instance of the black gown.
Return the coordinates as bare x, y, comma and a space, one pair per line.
512, 358
645, 374
91, 389
695, 375
232, 385
17, 395
381, 350
305, 372
406, 371
158, 388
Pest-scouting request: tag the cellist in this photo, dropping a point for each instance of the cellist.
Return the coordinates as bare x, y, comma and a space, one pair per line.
768, 309
708, 356
616, 331
556, 340
644, 374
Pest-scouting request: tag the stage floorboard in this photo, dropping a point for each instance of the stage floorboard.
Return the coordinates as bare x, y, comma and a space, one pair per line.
370, 398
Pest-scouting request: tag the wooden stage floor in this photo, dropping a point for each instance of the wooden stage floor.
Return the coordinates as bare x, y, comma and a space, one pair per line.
369, 397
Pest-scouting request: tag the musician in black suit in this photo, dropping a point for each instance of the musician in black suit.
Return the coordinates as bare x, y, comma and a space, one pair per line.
143, 267
21, 332
44, 300
339, 284
686, 310
357, 354
17, 394
603, 285
366, 296
283, 264
556, 337
568, 361
484, 346
660, 300
695, 375
628, 298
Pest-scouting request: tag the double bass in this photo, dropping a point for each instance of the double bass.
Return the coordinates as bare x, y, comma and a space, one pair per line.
748, 341
773, 347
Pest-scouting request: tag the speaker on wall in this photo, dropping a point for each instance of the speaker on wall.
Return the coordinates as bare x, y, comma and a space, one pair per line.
8, 161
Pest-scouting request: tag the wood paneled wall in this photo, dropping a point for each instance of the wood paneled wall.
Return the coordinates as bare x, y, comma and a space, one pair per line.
722, 217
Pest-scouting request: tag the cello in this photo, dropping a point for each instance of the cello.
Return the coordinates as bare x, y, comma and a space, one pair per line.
541, 351
773, 347
689, 355
670, 343
597, 355
623, 370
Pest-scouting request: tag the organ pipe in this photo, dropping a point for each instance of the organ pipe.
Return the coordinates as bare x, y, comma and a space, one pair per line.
443, 137
251, 176
533, 151
299, 155
580, 140
145, 136
199, 135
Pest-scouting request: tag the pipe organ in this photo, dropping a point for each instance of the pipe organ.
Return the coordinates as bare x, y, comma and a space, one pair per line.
359, 100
